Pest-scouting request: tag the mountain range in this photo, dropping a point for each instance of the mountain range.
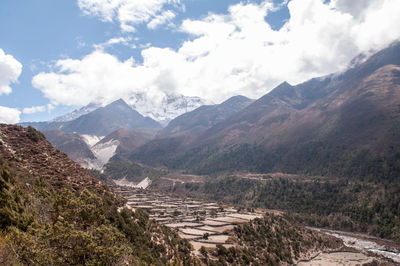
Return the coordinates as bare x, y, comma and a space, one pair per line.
326, 125
102, 121
93, 137
164, 110
345, 123
204, 117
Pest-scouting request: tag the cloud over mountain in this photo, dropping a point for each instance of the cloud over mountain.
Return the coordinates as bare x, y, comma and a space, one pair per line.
226, 54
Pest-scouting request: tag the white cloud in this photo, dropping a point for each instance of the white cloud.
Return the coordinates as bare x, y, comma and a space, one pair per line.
128, 13
10, 69
120, 40
99, 77
9, 115
233, 53
50, 107
34, 109
356, 8
165, 17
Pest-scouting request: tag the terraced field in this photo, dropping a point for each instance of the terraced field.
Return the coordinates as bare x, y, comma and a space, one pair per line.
207, 224
202, 223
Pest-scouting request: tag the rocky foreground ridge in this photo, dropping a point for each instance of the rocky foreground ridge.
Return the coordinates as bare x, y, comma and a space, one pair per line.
28, 149
53, 212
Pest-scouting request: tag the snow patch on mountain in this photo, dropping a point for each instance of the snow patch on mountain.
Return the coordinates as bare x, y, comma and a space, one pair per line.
145, 183
91, 164
104, 151
91, 140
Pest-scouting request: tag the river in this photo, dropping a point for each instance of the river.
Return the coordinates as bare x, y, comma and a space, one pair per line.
365, 244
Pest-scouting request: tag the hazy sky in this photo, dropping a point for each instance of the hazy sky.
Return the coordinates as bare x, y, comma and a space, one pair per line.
58, 55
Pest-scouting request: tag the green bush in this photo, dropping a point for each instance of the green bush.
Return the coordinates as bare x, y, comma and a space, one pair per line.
34, 135
46, 226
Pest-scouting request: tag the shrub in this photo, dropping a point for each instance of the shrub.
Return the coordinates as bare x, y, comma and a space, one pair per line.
34, 135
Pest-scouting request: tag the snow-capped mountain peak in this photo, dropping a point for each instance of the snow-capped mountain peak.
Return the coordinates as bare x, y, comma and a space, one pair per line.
163, 108
166, 107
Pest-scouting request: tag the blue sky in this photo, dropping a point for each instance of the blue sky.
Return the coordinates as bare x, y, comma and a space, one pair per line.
59, 55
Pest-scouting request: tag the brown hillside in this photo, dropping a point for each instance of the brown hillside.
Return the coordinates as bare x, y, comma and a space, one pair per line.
26, 148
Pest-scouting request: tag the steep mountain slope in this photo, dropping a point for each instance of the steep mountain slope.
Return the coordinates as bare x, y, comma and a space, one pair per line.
204, 117
343, 124
52, 212
308, 100
351, 131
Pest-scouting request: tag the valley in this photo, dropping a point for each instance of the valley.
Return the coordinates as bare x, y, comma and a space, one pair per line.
306, 174
367, 244
206, 224
200, 133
